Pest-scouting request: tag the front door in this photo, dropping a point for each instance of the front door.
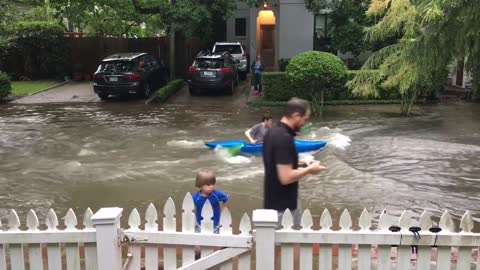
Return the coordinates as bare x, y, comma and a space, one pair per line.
267, 49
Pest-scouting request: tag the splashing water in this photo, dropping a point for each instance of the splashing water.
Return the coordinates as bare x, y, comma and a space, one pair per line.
225, 155
186, 144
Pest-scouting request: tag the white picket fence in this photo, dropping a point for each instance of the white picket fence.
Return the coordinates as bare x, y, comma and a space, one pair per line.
100, 243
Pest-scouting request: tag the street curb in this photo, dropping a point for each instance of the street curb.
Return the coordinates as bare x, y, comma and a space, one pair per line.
48, 88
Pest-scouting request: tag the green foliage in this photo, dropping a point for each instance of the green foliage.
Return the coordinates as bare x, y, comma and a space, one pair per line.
168, 90
278, 87
433, 35
5, 86
318, 72
283, 63
43, 48
113, 18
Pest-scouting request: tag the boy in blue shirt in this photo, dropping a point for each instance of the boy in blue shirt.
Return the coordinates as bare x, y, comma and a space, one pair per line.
206, 180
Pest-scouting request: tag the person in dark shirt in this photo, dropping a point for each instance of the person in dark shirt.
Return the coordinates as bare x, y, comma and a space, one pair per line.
280, 158
257, 133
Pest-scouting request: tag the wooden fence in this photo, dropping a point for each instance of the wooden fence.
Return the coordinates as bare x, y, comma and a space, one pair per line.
395, 243
87, 52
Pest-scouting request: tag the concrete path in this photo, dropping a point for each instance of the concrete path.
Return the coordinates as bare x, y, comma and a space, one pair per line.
71, 92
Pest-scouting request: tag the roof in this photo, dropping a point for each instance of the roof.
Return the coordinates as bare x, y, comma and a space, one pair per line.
123, 56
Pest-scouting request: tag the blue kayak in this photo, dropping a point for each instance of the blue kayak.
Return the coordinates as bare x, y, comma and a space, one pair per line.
302, 146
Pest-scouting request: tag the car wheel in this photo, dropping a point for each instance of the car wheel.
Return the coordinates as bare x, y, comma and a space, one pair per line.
231, 88
192, 91
147, 89
103, 96
243, 75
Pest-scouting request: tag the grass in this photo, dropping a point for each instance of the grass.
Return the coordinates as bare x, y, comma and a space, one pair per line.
28, 87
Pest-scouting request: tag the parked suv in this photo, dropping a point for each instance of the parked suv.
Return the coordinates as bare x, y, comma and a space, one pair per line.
129, 73
213, 71
238, 52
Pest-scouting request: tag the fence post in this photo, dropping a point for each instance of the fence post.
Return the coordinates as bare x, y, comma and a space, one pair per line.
265, 222
107, 225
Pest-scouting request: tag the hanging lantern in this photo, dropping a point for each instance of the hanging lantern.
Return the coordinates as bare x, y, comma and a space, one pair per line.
265, 5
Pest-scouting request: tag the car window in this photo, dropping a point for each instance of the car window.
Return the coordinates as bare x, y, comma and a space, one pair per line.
117, 66
208, 63
151, 61
232, 49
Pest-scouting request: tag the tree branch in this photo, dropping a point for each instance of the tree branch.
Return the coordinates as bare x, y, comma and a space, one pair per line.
144, 10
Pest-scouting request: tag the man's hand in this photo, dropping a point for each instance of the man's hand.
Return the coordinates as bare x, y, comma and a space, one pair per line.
315, 167
306, 163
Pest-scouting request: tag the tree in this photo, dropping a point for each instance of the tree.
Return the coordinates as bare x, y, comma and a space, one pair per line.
345, 24
319, 72
116, 18
433, 34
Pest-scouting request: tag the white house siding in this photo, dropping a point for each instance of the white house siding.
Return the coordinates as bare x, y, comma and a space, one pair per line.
295, 28
243, 11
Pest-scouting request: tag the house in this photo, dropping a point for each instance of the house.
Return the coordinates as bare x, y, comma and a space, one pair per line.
278, 29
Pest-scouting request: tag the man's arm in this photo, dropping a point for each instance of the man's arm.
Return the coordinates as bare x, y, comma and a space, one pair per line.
287, 175
249, 135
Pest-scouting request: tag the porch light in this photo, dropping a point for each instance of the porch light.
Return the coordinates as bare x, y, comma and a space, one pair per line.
265, 4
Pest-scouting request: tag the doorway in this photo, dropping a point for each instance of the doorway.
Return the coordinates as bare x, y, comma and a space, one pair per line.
267, 45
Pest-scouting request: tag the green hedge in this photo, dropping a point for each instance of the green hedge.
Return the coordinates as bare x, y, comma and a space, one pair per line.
5, 86
168, 90
43, 48
278, 87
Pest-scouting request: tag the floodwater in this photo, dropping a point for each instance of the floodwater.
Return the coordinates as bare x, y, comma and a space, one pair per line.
128, 154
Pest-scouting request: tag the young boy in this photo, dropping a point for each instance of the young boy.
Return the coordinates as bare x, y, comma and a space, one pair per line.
206, 180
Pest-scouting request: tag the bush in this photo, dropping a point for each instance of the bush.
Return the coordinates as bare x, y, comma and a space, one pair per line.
43, 47
283, 63
5, 86
168, 90
320, 72
277, 86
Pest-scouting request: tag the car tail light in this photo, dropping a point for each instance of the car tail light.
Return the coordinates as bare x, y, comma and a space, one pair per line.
97, 76
225, 69
133, 76
244, 56
192, 69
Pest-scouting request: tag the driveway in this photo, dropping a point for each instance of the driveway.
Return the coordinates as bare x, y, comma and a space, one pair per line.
71, 92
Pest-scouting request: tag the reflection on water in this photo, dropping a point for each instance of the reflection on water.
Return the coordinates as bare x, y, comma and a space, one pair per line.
128, 155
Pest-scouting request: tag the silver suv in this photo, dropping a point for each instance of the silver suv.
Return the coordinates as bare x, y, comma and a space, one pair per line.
237, 51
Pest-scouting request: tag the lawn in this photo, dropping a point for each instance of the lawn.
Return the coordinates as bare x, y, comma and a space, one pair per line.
28, 87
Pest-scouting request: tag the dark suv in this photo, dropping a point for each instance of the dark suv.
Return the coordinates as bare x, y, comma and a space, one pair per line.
213, 71
129, 73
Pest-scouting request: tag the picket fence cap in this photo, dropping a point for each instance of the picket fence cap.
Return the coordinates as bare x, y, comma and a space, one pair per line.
265, 217
105, 216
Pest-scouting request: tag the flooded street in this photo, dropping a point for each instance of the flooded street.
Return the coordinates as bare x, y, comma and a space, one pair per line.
128, 154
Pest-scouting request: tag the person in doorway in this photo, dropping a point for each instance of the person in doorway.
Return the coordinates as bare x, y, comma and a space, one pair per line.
283, 170
205, 181
256, 134
257, 69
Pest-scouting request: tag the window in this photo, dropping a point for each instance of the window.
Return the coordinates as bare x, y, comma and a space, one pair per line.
232, 49
322, 40
240, 27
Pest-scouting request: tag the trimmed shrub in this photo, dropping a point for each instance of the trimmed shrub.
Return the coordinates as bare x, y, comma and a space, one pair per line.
5, 86
168, 90
277, 86
43, 47
320, 72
